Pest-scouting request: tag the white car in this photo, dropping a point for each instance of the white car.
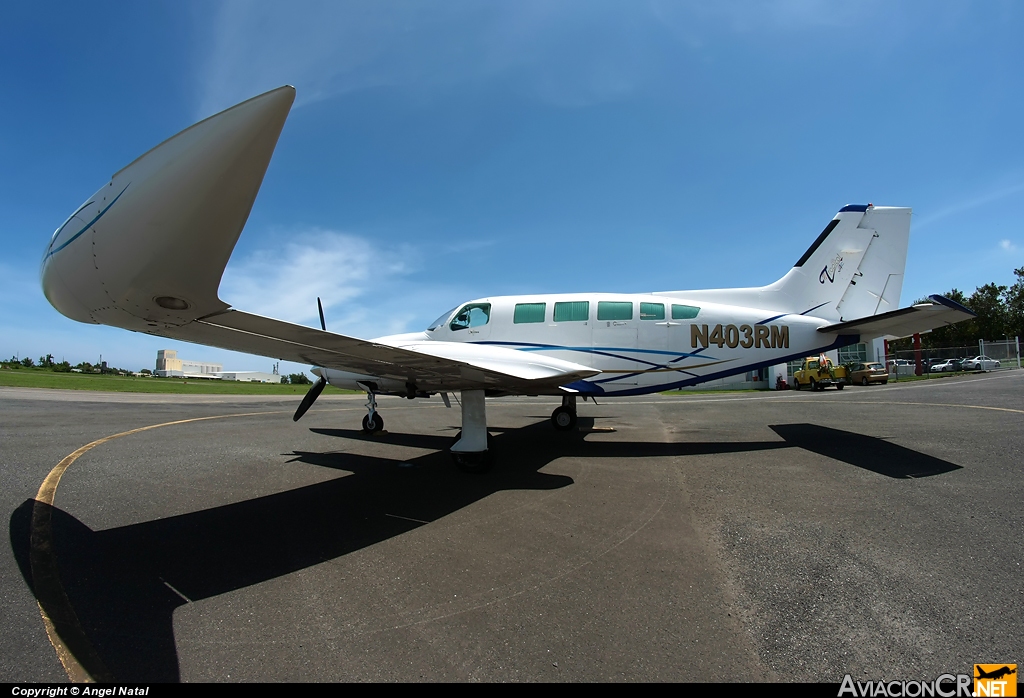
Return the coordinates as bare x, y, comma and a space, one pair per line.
980, 363
947, 365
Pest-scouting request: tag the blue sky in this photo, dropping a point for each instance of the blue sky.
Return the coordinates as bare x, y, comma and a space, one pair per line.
439, 152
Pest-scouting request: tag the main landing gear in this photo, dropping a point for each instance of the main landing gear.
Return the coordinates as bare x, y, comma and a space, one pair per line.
372, 422
564, 417
471, 449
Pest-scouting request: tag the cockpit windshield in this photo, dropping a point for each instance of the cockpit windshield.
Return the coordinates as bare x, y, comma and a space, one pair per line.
441, 320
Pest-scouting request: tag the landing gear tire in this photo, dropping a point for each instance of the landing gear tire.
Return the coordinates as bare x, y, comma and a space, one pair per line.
372, 426
473, 462
563, 419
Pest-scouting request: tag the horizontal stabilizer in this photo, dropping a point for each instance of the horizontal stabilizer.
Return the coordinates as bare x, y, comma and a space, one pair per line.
905, 321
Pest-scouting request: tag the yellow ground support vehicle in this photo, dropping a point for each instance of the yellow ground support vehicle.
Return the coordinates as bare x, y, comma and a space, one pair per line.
818, 372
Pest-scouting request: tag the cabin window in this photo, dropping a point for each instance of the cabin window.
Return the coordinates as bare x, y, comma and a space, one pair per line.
615, 310
472, 315
529, 312
684, 312
652, 311
572, 311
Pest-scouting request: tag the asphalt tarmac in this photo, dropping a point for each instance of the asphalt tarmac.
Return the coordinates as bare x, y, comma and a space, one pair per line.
738, 537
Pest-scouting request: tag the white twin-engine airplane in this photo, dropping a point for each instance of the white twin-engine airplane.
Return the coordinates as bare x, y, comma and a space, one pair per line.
147, 251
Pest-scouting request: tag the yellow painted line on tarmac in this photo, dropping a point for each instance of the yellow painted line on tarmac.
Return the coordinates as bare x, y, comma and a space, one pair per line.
79, 658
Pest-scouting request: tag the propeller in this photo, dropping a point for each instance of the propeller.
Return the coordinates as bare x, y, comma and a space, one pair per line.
310, 398
321, 382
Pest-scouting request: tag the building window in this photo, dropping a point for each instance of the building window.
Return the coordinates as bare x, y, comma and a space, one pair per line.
652, 311
529, 312
684, 312
572, 311
853, 353
615, 310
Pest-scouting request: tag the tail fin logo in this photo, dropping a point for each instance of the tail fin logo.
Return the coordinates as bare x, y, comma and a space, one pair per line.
830, 270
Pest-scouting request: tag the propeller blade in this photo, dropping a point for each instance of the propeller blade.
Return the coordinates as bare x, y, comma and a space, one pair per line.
310, 398
320, 307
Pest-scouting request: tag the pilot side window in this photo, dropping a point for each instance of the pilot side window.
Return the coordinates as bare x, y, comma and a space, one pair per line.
529, 312
684, 312
652, 311
615, 310
472, 315
572, 311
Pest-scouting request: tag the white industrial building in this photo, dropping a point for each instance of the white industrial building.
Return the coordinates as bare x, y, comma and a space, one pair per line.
249, 376
168, 365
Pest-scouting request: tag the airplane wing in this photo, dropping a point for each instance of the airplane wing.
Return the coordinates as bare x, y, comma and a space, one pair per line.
430, 365
905, 321
147, 251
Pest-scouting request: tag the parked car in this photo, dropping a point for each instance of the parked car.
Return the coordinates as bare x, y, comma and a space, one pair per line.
946, 365
980, 363
865, 374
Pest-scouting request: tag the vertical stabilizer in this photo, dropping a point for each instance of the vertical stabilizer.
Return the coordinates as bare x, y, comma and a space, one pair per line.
855, 267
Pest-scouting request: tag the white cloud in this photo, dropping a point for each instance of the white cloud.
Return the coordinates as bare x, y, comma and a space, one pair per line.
284, 283
366, 290
563, 53
1007, 246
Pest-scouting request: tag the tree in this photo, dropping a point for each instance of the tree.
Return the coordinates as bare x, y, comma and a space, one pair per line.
298, 379
27, 362
1013, 297
46, 361
958, 335
987, 302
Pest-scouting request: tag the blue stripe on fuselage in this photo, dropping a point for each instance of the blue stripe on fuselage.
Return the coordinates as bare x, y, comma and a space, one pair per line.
843, 340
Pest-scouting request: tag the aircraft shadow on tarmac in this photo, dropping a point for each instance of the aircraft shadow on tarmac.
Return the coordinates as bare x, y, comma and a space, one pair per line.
125, 583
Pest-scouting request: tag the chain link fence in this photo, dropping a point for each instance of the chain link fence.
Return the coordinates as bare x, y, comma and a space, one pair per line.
953, 359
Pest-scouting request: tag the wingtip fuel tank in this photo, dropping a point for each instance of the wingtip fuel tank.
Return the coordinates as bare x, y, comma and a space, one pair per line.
149, 248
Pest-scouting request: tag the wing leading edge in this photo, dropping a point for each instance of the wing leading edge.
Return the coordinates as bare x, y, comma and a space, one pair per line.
430, 365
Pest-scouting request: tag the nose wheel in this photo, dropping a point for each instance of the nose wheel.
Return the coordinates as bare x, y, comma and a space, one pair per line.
564, 417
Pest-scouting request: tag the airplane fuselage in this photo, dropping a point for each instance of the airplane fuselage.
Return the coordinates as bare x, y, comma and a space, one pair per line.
641, 343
